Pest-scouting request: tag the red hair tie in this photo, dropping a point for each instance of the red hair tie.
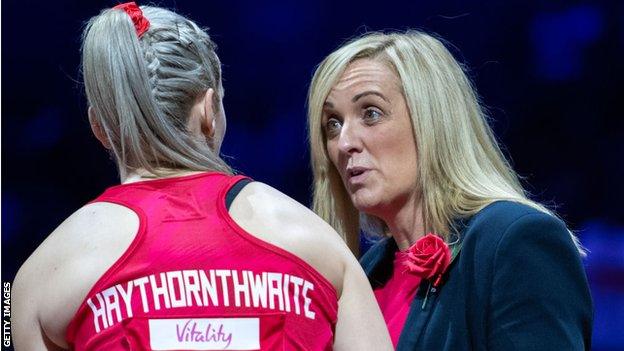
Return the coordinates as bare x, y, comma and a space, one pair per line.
141, 24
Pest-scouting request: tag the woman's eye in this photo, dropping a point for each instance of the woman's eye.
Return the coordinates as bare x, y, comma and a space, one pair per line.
372, 115
332, 126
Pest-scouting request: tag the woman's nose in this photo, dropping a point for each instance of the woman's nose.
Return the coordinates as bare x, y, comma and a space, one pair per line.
350, 140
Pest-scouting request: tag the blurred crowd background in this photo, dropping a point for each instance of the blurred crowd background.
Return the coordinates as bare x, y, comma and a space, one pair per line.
550, 73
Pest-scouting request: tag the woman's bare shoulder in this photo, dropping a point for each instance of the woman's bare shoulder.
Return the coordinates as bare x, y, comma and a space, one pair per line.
278, 219
55, 279
98, 228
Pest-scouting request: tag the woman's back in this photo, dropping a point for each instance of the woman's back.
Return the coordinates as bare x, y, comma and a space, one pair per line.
190, 276
189, 267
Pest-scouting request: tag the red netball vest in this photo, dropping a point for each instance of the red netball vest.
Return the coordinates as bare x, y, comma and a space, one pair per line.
192, 279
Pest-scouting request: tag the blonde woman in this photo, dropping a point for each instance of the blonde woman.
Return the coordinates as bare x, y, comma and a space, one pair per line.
183, 255
401, 149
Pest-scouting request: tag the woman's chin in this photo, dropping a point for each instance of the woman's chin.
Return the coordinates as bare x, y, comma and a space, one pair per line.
365, 202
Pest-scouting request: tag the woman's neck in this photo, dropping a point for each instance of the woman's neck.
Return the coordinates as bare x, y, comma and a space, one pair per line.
140, 175
407, 224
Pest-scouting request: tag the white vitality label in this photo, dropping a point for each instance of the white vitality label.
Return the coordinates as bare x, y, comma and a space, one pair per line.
205, 334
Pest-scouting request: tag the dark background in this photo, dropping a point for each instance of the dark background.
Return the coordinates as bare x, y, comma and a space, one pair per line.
550, 73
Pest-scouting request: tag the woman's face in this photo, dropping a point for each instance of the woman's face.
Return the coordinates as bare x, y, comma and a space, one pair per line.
369, 138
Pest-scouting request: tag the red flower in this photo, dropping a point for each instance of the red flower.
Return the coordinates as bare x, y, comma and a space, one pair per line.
429, 258
141, 24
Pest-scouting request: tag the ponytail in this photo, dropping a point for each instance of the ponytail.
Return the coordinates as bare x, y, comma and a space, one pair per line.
142, 89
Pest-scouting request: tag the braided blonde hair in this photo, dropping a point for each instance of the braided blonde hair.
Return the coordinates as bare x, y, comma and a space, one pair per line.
142, 90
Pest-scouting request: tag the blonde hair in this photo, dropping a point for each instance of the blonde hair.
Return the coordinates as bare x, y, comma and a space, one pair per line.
461, 167
142, 89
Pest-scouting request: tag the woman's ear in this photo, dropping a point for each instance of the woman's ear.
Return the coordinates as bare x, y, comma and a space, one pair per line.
97, 129
208, 122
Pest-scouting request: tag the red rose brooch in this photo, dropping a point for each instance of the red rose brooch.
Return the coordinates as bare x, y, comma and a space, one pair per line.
429, 258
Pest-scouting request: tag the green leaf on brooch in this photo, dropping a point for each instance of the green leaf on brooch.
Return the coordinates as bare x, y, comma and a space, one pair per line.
455, 251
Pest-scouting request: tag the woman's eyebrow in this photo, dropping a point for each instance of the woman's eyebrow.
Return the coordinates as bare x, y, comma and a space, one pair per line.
368, 92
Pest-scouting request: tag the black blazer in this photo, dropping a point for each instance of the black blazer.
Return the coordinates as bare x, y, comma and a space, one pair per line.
517, 284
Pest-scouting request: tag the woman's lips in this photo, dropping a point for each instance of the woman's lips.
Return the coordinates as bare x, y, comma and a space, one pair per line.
357, 175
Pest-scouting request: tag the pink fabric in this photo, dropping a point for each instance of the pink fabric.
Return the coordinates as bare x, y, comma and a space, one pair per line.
395, 297
171, 272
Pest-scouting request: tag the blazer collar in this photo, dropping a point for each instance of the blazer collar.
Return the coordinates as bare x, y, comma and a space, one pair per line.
378, 265
377, 262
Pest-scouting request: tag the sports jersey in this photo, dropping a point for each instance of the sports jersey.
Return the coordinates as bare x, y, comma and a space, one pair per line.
192, 279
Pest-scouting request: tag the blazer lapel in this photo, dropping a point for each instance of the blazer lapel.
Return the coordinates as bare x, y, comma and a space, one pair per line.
378, 265
377, 262
417, 317
427, 297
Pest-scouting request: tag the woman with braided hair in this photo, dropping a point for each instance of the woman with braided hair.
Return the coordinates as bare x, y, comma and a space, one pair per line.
183, 254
